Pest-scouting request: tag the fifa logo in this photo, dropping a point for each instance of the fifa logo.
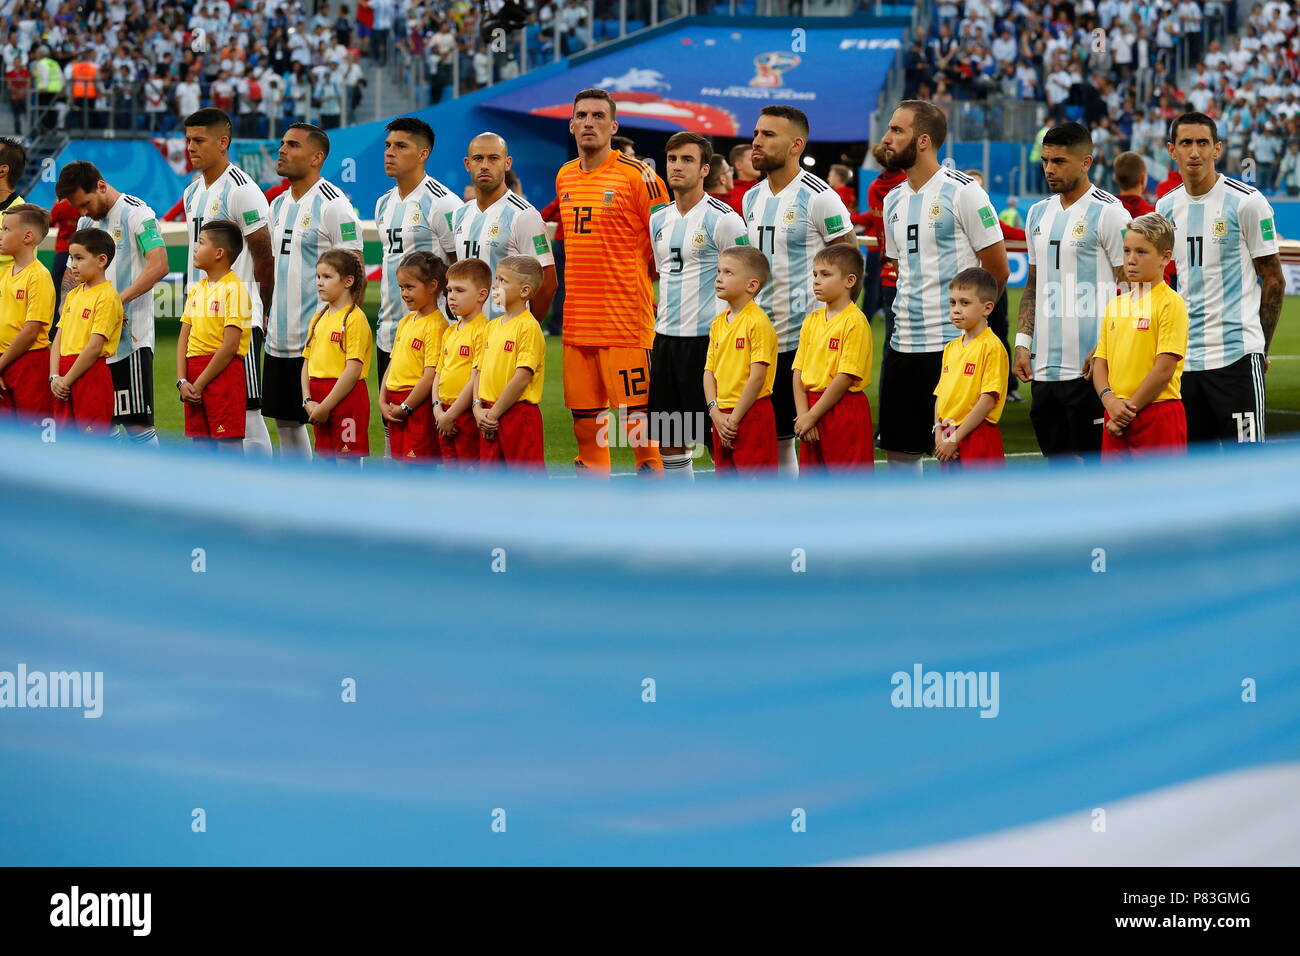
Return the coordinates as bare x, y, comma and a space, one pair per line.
768, 67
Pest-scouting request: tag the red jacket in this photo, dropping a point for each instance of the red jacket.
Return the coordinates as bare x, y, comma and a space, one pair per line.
1171, 181
849, 195
1011, 232
874, 218
65, 217
1135, 204
552, 214
738, 189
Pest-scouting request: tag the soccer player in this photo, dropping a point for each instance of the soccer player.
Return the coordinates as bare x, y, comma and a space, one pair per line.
1075, 240
938, 222
687, 236
972, 389
606, 199
415, 215
468, 284
407, 386
26, 313
221, 190
337, 355
139, 264
1229, 272
216, 336
309, 217
831, 369
497, 222
740, 369
1140, 352
508, 380
791, 216
13, 162
89, 332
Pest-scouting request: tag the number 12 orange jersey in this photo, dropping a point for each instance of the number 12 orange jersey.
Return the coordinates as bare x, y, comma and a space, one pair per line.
608, 299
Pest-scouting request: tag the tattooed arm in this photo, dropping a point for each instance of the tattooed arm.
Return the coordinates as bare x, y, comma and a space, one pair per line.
1023, 365
1272, 288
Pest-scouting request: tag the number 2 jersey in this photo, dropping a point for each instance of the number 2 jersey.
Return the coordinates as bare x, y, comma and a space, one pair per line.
934, 233
1217, 237
420, 220
608, 299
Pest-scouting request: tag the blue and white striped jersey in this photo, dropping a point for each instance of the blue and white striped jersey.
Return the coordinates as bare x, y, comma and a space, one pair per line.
235, 197
508, 227
1074, 252
421, 220
1217, 236
790, 228
934, 233
686, 247
302, 229
134, 229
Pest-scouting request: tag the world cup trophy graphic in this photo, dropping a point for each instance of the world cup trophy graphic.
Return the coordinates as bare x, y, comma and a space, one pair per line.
768, 67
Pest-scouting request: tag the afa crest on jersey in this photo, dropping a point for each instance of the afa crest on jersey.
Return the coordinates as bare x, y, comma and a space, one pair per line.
1080, 229
117, 233
936, 210
789, 216
608, 198
699, 239
415, 217
494, 230
215, 208
1220, 227
306, 221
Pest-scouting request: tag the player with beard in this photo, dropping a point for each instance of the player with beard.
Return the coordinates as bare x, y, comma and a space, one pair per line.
938, 222
1075, 239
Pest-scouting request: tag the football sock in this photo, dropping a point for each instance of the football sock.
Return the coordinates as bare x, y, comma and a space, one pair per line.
294, 443
257, 440
787, 460
679, 467
147, 437
645, 451
593, 456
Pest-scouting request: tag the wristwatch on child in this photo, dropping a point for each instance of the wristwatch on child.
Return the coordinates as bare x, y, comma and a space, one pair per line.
406, 408
180, 382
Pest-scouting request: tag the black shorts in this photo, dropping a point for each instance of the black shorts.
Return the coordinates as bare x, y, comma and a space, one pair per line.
282, 389
253, 369
677, 415
1226, 404
907, 384
783, 395
133, 388
1067, 418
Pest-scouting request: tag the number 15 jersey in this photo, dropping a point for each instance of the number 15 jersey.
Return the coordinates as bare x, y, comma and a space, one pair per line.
420, 220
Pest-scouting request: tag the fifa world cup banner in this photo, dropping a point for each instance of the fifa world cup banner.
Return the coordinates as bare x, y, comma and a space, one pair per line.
714, 80
206, 661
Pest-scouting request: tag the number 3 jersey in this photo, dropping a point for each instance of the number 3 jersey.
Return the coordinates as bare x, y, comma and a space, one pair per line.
421, 220
934, 233
508, 227
1217, 236
235, 197
686, 249
302, 229
790, 228
1074, 253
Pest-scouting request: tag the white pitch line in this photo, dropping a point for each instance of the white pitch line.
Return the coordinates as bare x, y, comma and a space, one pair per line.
1282, 411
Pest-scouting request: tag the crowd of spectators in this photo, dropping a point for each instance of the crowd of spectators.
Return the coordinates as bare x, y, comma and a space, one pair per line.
1114, 65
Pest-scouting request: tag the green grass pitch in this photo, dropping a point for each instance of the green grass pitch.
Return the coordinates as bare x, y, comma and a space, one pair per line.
1283, 394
